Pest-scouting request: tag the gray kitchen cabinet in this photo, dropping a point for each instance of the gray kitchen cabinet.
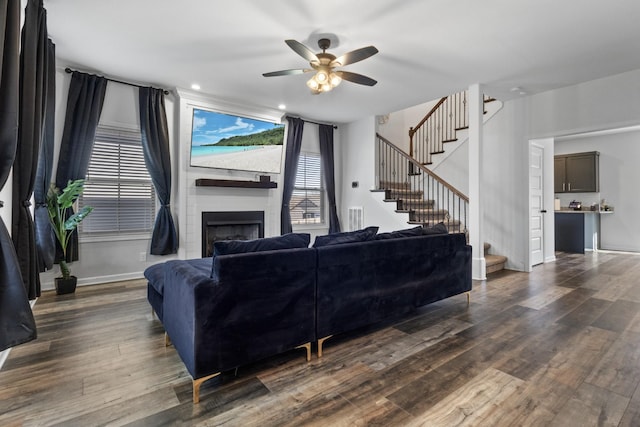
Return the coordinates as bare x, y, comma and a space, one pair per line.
577, 173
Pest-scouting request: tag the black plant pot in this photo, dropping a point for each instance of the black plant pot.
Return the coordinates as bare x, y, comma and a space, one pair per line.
66, 286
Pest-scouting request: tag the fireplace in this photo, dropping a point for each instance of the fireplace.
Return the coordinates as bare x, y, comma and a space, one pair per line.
242, 225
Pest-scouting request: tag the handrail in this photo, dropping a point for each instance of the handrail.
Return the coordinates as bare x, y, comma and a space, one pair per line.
440, 126
413, 130
448, 186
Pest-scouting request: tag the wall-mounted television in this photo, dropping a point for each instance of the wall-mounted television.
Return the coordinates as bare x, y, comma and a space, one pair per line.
226, 141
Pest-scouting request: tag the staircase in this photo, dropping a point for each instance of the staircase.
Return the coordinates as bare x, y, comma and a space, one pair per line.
418, 191
493, 262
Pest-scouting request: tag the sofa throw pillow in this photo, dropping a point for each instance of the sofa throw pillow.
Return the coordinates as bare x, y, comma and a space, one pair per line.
287, 241
439, 228
409, 232
363, 235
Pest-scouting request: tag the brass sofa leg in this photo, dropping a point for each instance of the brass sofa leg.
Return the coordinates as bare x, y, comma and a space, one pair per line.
167, 340
306, 346
320, 342
468, 297
196, 386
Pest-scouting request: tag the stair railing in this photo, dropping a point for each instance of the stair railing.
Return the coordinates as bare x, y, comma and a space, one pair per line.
424, 195
439, 126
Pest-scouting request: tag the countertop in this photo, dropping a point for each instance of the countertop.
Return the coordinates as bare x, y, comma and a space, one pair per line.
582, 211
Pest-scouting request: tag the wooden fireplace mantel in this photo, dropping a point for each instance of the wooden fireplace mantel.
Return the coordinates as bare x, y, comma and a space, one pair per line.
263, 183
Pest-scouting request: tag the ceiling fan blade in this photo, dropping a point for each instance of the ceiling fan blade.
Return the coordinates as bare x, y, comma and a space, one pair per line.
302, 50
356, 78
354, 56
287, 72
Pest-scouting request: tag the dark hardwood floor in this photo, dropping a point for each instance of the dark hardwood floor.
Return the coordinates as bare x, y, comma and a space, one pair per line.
559, 346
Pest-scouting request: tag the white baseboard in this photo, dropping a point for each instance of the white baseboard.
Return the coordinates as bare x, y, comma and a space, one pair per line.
98, 280
479, 268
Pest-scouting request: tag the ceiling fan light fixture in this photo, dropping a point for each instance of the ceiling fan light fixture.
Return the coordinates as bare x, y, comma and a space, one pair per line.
324, 64
321, 76
325, 87
313, 84
334, 79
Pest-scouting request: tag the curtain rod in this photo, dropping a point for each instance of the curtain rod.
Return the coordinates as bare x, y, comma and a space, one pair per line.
69, 71
311, 121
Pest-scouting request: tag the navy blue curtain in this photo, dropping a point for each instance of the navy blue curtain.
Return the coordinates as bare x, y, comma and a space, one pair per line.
292, 154
84, 105
45, 239
326, 155
155, 146
17, 325
34, 62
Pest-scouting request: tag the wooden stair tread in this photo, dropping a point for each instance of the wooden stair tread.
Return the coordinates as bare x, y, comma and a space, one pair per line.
427, 211
449, 222
390, 185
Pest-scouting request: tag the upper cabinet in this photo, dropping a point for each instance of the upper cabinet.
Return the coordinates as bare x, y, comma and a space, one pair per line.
577, 173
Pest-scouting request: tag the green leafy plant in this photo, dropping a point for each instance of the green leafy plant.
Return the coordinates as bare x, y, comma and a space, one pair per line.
57, 205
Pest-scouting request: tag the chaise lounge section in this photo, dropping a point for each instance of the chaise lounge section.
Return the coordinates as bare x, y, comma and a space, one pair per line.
240, 308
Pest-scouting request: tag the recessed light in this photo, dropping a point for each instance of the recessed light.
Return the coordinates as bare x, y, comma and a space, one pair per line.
195, 86
282, 106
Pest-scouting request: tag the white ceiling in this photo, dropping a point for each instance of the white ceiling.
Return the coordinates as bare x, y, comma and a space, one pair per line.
428, 48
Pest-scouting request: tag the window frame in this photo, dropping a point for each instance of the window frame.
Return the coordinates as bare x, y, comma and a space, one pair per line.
122, 135
323, 194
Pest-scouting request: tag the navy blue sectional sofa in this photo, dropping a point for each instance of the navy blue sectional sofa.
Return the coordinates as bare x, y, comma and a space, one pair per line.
250, 301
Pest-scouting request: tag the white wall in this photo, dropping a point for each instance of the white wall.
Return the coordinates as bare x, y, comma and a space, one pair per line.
619, 178
607, 103
395, 126
505, 187
5, 197
192, 200
358, 160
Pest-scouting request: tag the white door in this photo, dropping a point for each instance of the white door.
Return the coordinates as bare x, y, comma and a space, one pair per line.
536, 205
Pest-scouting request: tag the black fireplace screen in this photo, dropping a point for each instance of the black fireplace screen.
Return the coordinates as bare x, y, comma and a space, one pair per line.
242, 225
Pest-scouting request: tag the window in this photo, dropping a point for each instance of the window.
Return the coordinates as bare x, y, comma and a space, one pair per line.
118, 185
307, 200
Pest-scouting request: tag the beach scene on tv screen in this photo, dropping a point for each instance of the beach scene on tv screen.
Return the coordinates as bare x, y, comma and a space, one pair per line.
227, 141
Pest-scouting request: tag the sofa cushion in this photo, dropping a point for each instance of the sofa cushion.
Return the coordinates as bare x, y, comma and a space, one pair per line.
363, 235
409, 232
155, 276
439, 228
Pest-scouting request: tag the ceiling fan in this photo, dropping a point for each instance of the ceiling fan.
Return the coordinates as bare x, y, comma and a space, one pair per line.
324, 64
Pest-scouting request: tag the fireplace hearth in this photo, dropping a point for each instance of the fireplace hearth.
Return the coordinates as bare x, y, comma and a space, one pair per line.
230, 225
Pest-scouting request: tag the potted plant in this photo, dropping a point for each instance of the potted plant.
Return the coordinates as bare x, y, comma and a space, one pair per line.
57, 205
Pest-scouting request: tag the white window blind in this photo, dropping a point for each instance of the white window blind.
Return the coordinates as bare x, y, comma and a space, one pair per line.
307, 200
118, 185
